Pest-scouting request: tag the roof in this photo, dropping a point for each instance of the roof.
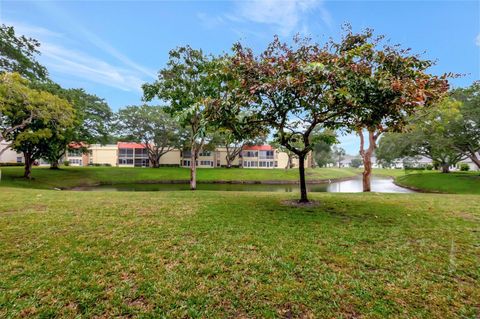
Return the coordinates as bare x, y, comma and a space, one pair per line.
258, 148
130, 145
77, 145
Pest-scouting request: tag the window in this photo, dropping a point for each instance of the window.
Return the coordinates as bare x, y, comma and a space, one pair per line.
125, 152
250, 153
186, 163
186, 154
266, 154
74, 153
125, 161
141, 153
205, 153
75, 161
218, 163
206, 163
265, 164
250, 163
19, 159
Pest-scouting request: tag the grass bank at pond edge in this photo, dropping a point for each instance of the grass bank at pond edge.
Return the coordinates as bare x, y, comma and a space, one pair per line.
221, 254
453, 183
88, 176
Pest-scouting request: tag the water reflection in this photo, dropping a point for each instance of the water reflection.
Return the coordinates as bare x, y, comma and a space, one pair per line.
379, 184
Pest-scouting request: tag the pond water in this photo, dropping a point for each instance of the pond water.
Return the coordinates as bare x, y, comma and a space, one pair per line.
379, 184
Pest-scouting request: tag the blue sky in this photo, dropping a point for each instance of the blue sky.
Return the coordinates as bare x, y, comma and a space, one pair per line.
111, 47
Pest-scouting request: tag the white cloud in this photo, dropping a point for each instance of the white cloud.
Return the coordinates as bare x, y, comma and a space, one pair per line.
284, 17
69, 22
58, 56
477, 40
84, 66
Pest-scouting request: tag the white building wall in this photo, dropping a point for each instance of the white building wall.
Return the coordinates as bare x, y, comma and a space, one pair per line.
10, 156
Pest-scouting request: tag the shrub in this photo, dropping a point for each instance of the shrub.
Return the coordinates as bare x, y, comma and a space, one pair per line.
464, 167
66, 163
99, 164
11, 164
429, 167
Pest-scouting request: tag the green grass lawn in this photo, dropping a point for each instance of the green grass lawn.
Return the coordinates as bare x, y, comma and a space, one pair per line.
238, 255
74, 176
455, 182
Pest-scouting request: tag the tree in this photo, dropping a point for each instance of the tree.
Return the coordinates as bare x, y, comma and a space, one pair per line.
322, 148
386, 85
339, 155
429, 135
292, 89
92, 120
17, 54
465, 131
152, 126
185, 83
18, 106
356, 162
30, 118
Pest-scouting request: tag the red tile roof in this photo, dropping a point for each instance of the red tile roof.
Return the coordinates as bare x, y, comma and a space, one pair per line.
258, 148
76, 145
130, 145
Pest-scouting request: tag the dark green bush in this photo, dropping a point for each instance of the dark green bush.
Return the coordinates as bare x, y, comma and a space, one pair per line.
11, 164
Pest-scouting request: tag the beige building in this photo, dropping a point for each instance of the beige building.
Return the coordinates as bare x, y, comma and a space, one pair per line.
129, 154
9, 155
103, 154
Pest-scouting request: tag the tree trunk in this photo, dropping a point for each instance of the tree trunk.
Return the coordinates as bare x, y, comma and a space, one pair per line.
193, 169
289, 162
155, 163
367, 157
367, 172
28, 166
476, 160
229, 161
303, 184
445, 168
54, 165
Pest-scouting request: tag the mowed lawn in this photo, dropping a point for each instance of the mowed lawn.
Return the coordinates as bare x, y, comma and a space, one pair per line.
454, 182
84, 176
239, 255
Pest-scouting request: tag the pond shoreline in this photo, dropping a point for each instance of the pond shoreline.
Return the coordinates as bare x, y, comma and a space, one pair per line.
235, 182
416, 189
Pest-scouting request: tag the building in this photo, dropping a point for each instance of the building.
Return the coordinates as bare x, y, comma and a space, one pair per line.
76, 154
10, 156
130, 154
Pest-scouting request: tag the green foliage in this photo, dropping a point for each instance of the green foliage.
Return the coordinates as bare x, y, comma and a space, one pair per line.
356, 162
11, 164
185, 83
17, 54
464, 167
428, 134
338, 154
292, 89
32, 120
152, 126
322, 141
464, 131
385, 84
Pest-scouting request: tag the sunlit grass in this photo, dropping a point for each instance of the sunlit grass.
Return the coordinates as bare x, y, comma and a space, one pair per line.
225, 254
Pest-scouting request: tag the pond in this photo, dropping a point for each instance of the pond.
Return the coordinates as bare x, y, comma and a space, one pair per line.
379, 184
